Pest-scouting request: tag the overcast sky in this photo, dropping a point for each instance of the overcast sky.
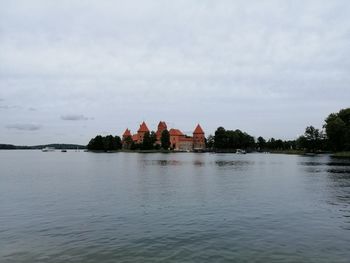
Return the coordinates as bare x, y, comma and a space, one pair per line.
72, 69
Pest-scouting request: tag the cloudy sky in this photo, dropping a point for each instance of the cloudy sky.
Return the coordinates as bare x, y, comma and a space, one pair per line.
72, 69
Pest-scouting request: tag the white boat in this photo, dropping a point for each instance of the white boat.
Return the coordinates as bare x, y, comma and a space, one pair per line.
48, 149
240, 151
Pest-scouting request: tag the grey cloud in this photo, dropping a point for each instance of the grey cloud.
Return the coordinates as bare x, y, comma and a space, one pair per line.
74, 117
214, 62
24, 127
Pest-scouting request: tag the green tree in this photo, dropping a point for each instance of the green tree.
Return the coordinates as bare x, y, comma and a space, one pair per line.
271, 144
117, 144
96, 144
221, 140
313, 140
337, 128
261, 143
279, 145
153, 138
108, 142
229, 139
135, 146
128, 142
210, 141
147, 142
165, 139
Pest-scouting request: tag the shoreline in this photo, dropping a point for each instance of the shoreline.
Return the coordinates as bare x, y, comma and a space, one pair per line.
340, 155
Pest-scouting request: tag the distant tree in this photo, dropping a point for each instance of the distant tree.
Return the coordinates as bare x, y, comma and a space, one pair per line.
153, 138
302, 143
271, 144
96, 144
337, 128
108, 143
229, 139
210, 141
290, 145
232, 139
135, 146
117, 145
147, 142
165, 139
261, 143
279, 145
128, 142
8, 147
157, 146
246, 141
313, 140
221, 140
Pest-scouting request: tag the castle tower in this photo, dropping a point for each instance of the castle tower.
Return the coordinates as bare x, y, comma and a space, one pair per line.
198, 138
126, 134
161, 127
126, 139
141, 132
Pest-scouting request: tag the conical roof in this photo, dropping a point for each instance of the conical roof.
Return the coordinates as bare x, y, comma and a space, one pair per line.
143, 128
162, 125
198, 130
127, 133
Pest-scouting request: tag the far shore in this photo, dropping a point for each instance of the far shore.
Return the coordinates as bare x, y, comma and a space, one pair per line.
344, 155
287, 152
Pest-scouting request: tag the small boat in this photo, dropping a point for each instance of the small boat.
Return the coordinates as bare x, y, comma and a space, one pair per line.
240, 151
64, 150
48, 149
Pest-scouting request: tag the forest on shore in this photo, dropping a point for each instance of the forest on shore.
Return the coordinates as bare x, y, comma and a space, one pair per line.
39, 147
334, 136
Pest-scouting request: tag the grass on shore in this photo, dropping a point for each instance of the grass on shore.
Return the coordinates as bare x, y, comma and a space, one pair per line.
341, 155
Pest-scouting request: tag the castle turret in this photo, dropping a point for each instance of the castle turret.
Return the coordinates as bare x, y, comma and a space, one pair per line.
161, 127
127, 139
198, 138
141, 132
126, 134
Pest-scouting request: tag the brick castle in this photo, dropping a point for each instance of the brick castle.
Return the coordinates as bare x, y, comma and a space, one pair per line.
178, 140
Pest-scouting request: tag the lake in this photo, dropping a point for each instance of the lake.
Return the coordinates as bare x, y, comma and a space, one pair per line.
180, 207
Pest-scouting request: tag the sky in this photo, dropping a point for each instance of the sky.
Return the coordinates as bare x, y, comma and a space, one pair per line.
70, 70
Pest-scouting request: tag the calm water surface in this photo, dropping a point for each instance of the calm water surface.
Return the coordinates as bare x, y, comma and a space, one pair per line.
128, 207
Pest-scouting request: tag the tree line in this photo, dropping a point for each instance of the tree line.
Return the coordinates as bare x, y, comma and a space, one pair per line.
229, 139
334, 136
37, 147
114, 143
107, 143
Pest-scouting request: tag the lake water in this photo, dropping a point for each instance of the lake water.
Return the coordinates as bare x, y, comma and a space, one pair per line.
184, 207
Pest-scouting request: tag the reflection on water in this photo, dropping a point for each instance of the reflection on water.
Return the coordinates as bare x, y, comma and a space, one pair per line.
221, 163
162, 162
346, 172
234, 163
126, 207
337, 173
333, 166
